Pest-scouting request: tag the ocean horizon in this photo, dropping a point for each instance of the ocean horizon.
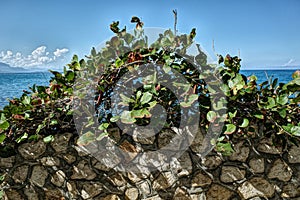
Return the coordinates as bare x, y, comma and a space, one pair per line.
13, 84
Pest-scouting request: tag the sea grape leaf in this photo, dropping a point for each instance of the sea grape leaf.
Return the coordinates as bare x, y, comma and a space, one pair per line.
245, 123
230, 128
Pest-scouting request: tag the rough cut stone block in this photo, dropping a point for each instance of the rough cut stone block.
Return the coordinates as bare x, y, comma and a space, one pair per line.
90, 190
20, 174
294, 155
7, 162
39, 175
218, 192
241, 152
211, 162
256, 187
231, 174
257, 165
131, 194
266, 146
58, 178
291, 190
164, 180
61, 141
31, 151
201, 179
281, 171
83, 171
12, 195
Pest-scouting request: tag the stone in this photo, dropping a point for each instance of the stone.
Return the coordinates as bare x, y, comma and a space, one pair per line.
240, 153
281, 171
31, 193
72, 190
200, 196
218, 192
110, 197
61, 141
58, 178
91, 189
50, 161
106, 160
211, 162
7, 162
201, 179
144, 188
12, 195
69, 158
114, 133
266, 146
154, 159
169, 140
20, 174
164, 180
197, 143
293, 154
156, 197
144, 135
83, 171
256, 187
257, 165
31, 151
117, 179
181, 166
181, 194
136, 177
131, 194
39, 175
291, 190
231, 174
54, 194
129, 151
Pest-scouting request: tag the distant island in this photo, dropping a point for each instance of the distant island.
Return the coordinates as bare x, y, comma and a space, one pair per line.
5, 68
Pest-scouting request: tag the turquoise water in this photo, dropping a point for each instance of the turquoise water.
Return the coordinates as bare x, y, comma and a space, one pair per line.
13, 84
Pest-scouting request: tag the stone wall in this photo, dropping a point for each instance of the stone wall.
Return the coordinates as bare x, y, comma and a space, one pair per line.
60, 170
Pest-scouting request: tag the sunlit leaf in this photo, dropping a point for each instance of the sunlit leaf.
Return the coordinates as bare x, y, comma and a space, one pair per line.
230, 128
245, 123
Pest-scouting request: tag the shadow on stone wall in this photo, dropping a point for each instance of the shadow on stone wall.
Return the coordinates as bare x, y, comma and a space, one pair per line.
60, 170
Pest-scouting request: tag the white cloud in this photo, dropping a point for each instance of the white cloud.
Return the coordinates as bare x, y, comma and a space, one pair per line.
38, 57
60, 52
290, 62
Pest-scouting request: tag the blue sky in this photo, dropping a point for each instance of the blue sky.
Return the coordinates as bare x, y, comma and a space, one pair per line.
47, 33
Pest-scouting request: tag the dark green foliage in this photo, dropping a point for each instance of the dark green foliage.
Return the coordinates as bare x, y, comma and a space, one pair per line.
245, 105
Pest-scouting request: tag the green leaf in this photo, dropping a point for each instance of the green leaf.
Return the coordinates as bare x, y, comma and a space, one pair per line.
4, 125
282, 112
86, 138
271, 102
152, 104
147, 96
48, 139
126, 117
259, 116
282, 99
26, 100
138, 94
114, 119
53, 122
245, 123
126, 100
224, 148
230, 128
295, 131
2, 137
22, 138
34, 137
102, 135
103, 126
211, 116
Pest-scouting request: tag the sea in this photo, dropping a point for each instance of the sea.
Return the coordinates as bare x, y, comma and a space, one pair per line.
13, 84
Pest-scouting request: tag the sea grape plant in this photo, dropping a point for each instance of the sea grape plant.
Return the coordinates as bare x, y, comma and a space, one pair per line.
245, 108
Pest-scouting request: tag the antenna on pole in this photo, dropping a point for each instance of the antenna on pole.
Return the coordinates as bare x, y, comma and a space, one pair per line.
175, 23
